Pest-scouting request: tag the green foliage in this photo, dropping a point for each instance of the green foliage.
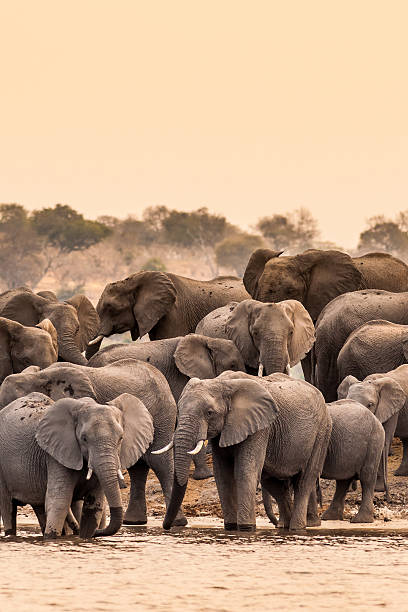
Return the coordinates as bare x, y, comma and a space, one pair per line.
292, 232
386, 235
234, 251
194, 229
64, 293
154, 263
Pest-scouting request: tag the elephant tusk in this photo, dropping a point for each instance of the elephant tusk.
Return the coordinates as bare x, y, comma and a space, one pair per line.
89, 474
197, 448
164, 449
260, 370
121, 477
95, 340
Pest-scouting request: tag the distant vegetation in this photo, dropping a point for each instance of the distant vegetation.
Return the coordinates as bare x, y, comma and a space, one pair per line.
57, 248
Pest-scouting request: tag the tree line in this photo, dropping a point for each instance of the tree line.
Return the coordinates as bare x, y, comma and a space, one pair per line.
61, 242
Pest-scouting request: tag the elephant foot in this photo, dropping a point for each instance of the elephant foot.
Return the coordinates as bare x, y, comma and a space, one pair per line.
230, 527
313, 521
135, 516
10, 532
50, 535
202, 474
362, 517
246, 527
332, 514
129, 522
180, 521
401, 471
380, 488
283, 524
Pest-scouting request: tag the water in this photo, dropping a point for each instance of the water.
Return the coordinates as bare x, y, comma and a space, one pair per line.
205, 569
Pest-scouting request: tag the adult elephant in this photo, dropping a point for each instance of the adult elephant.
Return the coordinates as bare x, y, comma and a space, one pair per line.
274, 429
22, 346
162, 305
75, 320
73, 450
104, 385
271, 336
316, 277
342, 317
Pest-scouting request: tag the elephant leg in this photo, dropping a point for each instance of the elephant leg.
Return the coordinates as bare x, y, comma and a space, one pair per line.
8, 513
136, 513
58, 498
76, 508
366, 510
335, 511
94, 503
248, 464
225, 481
279, 489
403, 468
164, 471
104, 518
40, 514
267, 502
201, 469
313, 519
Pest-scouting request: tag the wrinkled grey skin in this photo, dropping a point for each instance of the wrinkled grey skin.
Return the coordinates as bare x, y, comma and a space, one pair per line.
387, 396
59, 442
76, 320
277, 336
354, 452
339, 319
273, 429
104, 385
22, 346
162, 305
179, 359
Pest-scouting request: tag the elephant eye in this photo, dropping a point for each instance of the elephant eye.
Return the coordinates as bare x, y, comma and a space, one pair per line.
84, 439
370, 404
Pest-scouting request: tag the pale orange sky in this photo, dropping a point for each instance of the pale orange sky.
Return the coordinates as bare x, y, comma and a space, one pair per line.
249, 108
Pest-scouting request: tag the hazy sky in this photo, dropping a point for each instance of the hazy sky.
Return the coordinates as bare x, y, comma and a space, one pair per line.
249, 108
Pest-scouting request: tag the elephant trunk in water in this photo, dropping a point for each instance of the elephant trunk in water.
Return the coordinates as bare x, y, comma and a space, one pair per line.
69, 351
186, 437
106, 470
273, 356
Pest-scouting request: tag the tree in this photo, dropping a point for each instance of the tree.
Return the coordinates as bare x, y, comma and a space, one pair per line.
234, 251
293, 232
385, 235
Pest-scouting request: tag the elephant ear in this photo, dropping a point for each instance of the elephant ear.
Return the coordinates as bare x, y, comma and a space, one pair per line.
303, 336
48, 295
138, 429
6, 364
25, 307
154, 295
193, 357
255, 267
392, 398
47, 326
61, 380
56, 434
251, 409
328, 274
237, 330
405, 346
344, 386
88, 319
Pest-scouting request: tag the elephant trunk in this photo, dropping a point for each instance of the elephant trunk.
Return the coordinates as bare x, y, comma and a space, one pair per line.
69, 351
274, 356
107, 473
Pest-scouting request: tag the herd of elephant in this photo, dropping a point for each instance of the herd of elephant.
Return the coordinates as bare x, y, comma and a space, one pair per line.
216, 367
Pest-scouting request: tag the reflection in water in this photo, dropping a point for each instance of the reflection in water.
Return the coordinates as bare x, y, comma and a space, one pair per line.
205, 569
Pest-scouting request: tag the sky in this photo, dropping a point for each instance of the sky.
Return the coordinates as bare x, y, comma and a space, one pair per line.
249, 108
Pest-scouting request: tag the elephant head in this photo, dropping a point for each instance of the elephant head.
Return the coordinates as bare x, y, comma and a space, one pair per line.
382, 395
313, 278
22, 346
106, 438
273, 335
57, 381
135, 304
199, 356
75, 320
231, 409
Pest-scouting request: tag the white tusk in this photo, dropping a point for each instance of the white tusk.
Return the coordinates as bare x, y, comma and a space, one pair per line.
120, 474
197, 448
260, 370
95, 340
164, 449
89, 474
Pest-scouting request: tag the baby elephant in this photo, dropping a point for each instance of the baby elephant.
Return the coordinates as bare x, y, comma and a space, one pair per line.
53, 454
355, 449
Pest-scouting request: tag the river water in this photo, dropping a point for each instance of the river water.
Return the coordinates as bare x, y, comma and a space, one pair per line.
205, 569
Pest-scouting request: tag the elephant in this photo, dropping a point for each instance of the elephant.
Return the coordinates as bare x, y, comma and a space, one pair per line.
75, 320
272, 336
354, 452
161, 304
274, 429
374, 347
22, 346
339, 319
103, 385
72, 449
316, 277
179, 359
386, 394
